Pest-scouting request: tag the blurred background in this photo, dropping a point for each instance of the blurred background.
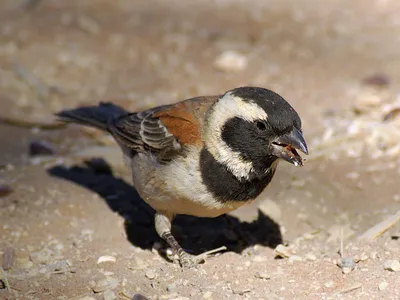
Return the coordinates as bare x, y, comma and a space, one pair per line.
337, 62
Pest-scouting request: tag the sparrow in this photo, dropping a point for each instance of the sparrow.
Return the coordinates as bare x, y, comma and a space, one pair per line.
204, 156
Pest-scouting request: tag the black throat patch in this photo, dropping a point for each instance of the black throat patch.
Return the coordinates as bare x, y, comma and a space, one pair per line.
224, 185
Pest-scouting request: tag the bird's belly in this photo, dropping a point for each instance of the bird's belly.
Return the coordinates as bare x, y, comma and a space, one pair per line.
177, 187
185, 206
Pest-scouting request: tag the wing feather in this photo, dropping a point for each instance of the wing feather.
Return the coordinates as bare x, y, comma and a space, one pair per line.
162, 132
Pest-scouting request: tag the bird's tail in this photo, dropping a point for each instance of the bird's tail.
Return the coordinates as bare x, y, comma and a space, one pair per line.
95, 116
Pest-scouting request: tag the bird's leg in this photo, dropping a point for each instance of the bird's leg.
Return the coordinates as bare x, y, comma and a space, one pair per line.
163, 228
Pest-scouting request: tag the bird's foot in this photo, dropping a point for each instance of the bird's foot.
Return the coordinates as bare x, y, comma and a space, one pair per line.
188, 260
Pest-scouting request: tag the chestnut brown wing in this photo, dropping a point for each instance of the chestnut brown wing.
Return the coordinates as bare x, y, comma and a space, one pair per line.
162, 132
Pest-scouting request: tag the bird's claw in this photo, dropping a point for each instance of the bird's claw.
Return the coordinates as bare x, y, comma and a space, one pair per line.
187, 260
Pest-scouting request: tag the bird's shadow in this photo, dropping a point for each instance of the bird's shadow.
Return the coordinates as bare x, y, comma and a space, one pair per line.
194, 234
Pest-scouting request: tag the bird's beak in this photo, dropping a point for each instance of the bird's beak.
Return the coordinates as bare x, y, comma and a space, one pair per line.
286, 145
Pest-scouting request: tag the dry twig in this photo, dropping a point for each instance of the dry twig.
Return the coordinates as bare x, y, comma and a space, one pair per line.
380, 228
350, 289
31, 124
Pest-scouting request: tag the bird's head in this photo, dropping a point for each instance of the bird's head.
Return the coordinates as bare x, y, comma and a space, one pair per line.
249, 128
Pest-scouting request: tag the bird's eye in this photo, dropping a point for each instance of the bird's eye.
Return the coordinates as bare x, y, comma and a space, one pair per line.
261, 126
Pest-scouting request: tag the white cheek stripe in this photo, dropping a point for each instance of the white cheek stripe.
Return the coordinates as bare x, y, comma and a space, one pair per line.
227, 108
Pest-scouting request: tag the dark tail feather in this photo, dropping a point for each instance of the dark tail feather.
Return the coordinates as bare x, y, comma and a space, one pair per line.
95, 116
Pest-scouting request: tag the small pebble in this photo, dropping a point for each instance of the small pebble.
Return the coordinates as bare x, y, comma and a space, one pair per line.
109, 295
347, 264
150, 274
139, 264
259, 258
311, 257
88, 24
169, 253
139, 297
41, 257
329, 284
231, 61
378, 80
38, 148
346, 270
364, 257
294, 258
171, 287
282, 251
392, 265
105, 259
108, 273
383, 286
207, 295
374, 255
262, 275
5, 189
241, 291
392, 114
61, 265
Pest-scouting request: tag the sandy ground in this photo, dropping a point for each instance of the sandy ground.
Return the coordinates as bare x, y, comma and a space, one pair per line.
337, 62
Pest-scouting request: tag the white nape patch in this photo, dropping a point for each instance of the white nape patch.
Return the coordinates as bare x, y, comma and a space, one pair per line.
228, 107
